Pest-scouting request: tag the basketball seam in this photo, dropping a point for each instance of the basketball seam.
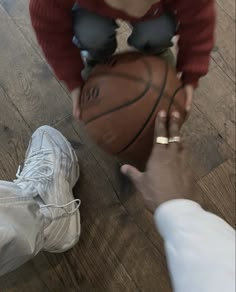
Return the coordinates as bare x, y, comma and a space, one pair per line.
117, 74
130, 77
173, 99
124, 75
149, 118
150, 115
148, 86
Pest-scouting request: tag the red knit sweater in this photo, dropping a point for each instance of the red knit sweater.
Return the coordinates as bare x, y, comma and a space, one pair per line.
52, 21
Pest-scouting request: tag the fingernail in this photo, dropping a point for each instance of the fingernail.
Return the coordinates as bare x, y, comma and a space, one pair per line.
175, 115
124, 169
162, 114
188, 107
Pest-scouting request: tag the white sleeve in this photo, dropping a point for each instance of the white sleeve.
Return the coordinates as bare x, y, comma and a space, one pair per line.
200, 247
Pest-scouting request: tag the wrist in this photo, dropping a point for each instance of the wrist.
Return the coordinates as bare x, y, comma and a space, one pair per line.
157, 199
170, 214
74, 84
75, 91
190, 79
165, 199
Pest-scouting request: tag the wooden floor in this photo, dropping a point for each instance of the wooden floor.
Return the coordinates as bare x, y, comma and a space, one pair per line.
119, 248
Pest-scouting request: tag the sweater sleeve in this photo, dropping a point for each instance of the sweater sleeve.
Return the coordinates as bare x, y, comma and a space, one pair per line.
196, 20
200, 247
52, 22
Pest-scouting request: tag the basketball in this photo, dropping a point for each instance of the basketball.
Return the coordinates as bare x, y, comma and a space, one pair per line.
121, 99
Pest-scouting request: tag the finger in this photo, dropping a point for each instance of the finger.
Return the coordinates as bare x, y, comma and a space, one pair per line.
189, 93
161, 128
76, 114
188, 103
179, 75
174, 130
132, 173
76, 109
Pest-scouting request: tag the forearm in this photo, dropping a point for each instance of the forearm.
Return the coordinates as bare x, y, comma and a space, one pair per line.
200, 247
196, 31
52, 22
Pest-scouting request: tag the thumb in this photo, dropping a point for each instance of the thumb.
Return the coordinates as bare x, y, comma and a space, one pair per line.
76, 109
76, 112
132, 173
189, 92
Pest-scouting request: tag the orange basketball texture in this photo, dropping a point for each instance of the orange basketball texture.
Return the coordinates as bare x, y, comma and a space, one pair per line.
121, 99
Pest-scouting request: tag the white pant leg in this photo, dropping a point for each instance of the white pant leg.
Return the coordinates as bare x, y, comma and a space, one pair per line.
21, 227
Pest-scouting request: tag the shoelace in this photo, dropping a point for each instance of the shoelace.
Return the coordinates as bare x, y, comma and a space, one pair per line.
78, 201
37, 162
35, 167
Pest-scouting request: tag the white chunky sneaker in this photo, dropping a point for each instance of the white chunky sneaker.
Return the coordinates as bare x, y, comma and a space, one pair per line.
50, 171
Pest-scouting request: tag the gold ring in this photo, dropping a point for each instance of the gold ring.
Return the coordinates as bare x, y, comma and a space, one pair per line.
175, 139
162, 140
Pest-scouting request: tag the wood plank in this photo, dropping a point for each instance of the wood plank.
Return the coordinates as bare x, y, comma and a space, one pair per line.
132, 250
224, 52
37, 275
228, 6
207, 148
220, 187
22, 282
46, 272
215, 98
14, 137
19, 13
24, 83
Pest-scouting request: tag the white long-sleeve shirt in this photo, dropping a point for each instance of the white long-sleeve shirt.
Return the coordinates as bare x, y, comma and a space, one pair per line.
200, 247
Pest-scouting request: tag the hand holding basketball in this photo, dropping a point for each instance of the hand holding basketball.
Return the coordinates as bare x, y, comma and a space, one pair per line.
121, 98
